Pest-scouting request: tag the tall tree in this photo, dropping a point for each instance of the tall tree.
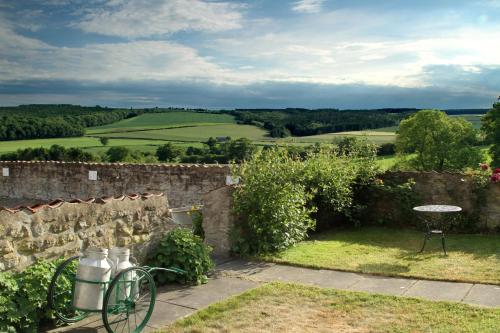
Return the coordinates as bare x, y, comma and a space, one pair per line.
438, 142
491, 127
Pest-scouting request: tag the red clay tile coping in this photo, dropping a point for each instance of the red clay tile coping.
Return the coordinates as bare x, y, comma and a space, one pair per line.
162, 165
59, 202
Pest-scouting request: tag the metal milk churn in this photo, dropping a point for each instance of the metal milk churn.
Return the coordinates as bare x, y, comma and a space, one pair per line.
92, 278
120, 256
127, 284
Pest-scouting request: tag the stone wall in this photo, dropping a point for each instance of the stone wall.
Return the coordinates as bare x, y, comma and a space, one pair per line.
63, 228
480, 210
183, 184
481, 207
218, 219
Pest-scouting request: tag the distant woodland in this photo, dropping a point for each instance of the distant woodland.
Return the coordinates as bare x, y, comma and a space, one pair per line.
57, 120
54, 121
302, 122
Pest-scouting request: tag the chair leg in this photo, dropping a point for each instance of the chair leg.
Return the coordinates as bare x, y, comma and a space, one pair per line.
443, 243
427, 236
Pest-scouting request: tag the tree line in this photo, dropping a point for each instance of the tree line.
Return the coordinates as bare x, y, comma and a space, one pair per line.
55, 121
35, 121
302, 122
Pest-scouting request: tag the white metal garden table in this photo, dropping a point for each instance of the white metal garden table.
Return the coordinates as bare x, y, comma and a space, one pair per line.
436, 231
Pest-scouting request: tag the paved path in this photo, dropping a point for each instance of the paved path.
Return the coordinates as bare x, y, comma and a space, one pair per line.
236, 276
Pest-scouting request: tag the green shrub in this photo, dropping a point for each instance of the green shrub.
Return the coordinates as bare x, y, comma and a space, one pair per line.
23, 298
9, 316
271, 204
181, 249
280, 192
32, 295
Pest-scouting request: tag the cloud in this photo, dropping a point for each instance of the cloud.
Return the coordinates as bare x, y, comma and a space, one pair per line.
24, 58
256, 95
307, 6
143, 18
482, 79
138, 60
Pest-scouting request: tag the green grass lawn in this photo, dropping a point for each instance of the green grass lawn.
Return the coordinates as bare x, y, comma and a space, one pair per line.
283, 307
393, 252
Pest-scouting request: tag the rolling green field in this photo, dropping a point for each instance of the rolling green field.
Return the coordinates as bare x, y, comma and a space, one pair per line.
186, 128
163, 120
195, 133
377, 137
147, 131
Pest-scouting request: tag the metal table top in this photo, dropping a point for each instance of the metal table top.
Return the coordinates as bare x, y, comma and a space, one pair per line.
437, 209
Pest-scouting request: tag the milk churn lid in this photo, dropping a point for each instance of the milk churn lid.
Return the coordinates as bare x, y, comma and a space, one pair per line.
119, 251
98, 250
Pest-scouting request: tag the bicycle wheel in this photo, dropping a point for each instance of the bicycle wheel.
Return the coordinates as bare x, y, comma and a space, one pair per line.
60, 295
129, 301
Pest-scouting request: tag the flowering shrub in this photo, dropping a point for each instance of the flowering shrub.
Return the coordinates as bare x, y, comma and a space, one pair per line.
495, 175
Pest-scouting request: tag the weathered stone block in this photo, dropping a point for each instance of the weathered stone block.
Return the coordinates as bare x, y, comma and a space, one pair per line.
6, 247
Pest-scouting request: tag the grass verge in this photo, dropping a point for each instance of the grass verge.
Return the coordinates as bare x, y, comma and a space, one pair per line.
393, 252
283, 307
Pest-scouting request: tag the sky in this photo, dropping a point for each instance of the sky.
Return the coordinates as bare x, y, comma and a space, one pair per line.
251, 54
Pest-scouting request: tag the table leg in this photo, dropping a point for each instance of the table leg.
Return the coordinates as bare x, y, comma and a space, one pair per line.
426, 238
443, 243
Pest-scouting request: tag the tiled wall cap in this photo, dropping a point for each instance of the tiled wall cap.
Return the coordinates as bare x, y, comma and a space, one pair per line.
59, 202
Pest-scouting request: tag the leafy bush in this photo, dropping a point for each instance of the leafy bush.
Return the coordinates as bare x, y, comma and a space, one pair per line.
282, 190
181, 249
9, 316
23, 298
271, 204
